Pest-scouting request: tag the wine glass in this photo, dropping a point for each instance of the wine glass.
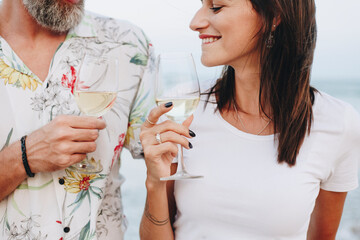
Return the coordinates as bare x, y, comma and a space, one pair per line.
95, 93
177, 82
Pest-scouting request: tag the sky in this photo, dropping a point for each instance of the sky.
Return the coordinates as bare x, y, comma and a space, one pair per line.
166, 22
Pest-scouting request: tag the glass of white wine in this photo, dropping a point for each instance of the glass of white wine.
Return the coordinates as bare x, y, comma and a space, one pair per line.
95, 92
177, 82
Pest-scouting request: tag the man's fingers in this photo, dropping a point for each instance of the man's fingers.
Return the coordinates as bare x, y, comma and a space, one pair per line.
77, 157
156, 113
83, 147
83, 122
89, 123
85, 135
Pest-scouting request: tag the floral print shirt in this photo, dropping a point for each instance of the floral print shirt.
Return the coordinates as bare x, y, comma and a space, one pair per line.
65, 204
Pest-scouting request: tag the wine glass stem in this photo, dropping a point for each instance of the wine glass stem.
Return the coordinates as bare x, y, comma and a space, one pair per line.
181, 165
85, 164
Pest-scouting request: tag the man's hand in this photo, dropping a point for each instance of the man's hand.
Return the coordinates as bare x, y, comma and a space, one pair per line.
62, 142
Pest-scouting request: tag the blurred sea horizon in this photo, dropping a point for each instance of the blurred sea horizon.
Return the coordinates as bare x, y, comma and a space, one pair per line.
134, 192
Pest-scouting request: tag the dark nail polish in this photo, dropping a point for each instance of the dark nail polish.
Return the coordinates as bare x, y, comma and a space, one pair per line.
169, 104
191, 133
190, 145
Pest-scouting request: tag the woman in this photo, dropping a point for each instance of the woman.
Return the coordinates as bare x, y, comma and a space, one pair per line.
278, 156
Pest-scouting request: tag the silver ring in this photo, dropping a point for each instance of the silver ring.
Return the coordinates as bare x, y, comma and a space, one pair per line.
158, 138
147, 120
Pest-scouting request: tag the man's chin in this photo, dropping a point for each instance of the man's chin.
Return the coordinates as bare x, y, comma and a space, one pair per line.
58, 16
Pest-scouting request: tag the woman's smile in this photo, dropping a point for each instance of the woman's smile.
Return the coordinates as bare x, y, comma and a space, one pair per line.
236, 24
207, 39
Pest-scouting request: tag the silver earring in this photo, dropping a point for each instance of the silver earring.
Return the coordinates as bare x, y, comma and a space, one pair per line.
270, 41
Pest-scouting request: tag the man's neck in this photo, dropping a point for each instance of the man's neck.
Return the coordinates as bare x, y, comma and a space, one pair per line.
32, 43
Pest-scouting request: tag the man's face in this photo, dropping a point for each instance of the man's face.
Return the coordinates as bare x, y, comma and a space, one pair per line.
56, 15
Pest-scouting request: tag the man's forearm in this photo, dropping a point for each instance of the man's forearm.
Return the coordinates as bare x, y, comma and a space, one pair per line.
12, 171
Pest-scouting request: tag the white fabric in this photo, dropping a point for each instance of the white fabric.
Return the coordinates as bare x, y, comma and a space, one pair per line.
246, 194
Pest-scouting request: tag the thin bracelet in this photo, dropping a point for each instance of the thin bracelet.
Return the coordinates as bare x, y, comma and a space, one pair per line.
152, 218
24, 157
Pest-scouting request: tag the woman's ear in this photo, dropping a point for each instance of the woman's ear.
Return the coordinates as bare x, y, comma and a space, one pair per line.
276, 22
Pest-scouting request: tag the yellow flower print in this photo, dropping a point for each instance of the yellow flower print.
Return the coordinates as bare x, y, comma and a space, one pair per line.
82, 185
129, 136
76, 182
131, 130
13, 76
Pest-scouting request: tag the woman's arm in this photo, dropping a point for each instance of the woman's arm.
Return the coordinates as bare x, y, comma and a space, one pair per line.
160, 206
326, 216
159, 212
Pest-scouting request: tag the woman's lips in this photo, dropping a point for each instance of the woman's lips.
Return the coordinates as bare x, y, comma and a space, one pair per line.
206, 38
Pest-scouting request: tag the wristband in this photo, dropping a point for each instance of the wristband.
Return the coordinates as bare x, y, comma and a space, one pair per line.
24, 157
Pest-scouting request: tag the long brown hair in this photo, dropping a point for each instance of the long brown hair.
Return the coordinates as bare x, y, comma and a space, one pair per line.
285, 72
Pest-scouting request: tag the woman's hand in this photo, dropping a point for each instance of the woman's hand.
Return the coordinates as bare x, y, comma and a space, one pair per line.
160, 141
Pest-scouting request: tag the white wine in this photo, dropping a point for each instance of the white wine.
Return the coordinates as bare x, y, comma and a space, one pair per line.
94, 104
183, 107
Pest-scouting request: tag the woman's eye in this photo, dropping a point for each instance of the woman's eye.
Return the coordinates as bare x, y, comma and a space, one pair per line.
215, 8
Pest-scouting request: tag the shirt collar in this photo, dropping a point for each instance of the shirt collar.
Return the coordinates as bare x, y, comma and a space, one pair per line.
86, 28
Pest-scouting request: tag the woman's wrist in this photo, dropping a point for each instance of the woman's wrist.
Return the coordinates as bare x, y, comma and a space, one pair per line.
154, 185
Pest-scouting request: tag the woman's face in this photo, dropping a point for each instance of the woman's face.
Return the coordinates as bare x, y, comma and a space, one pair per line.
228, 29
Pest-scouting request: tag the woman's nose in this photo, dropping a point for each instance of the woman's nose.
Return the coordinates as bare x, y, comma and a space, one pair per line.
199, 20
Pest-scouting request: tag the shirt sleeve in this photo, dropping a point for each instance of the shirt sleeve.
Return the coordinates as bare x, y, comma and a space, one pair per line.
344, 173
145, 98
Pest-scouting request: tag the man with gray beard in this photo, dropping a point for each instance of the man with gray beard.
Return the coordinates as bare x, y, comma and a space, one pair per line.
42, 45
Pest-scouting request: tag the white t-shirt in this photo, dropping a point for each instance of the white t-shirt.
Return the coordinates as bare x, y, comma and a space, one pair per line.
246, 193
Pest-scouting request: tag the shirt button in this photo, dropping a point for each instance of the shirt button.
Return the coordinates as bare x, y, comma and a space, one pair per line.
66, 229
61, 181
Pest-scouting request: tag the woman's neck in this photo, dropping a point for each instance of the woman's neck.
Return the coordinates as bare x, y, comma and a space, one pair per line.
247, 89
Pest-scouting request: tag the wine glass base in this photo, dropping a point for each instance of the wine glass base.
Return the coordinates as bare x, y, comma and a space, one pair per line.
86, 167
181, 176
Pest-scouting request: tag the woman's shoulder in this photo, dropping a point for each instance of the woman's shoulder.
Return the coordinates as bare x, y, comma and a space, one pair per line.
324, 100
336, 114
333, 107
337, 138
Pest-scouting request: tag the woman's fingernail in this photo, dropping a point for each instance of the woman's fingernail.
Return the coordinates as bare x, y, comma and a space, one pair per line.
191, 133
190, 145
169, 104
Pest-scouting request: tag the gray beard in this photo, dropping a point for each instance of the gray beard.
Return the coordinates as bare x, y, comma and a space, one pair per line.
56, 15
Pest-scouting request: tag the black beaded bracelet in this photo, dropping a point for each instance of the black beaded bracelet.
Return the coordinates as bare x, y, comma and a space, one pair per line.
24, 157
